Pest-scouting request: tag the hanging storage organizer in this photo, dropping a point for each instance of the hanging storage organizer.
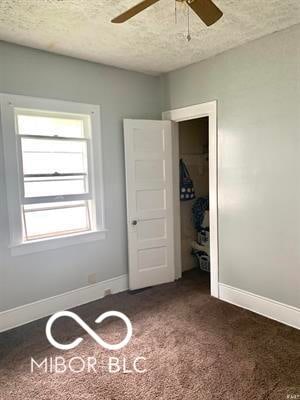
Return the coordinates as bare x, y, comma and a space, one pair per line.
187, 191
200, 249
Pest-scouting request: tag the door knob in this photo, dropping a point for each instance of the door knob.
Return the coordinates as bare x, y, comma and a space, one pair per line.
134, 222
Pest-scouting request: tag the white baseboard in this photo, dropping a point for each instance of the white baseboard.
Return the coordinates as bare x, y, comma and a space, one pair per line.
261, 305
42, 308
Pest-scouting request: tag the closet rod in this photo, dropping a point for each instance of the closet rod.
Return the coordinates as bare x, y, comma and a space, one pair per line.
194, 154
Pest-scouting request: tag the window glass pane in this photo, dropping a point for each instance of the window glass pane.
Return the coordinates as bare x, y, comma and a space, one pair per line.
56, 186
56, 219
49, 126
46, 156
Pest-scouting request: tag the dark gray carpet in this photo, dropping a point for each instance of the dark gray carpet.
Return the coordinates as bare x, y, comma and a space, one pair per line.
196, 348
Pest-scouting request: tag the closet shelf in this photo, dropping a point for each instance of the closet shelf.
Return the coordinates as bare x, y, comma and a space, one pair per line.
194, 154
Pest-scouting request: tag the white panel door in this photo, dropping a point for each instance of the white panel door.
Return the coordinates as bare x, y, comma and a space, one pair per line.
149, 187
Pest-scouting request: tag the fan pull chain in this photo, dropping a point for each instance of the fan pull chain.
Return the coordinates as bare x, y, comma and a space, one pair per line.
175, 11
188, 37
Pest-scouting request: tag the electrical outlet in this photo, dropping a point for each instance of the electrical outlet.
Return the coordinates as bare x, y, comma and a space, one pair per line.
107, 292
92, 278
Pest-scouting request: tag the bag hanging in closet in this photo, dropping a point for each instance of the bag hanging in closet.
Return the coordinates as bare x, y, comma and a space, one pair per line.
187, 191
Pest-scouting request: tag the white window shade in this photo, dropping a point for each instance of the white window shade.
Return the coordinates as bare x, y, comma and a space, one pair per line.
55, 186
47, 220
29, 123
54, 167
49, 156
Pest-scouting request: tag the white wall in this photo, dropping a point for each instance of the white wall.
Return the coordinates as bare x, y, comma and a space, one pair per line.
121, 94
257, 87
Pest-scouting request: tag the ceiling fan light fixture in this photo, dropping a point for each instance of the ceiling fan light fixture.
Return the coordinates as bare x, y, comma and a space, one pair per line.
206, 10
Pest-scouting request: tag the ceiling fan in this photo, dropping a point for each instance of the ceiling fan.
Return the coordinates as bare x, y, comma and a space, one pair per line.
205, 9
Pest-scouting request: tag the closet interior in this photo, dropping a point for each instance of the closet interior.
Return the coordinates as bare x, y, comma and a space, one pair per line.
194, 193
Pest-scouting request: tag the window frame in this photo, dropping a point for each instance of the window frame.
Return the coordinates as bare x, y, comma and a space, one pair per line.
10, 105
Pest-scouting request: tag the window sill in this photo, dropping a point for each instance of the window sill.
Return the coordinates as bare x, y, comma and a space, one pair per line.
56, 243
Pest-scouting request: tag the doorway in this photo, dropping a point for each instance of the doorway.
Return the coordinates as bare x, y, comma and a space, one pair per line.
200, 111
194, 194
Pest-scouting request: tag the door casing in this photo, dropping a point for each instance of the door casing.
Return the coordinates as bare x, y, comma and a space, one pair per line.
208, 109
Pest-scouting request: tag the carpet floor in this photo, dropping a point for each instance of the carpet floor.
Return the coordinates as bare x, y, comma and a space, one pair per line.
195, 347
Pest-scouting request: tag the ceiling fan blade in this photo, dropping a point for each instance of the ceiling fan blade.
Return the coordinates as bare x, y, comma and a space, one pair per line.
133, 11
206, 10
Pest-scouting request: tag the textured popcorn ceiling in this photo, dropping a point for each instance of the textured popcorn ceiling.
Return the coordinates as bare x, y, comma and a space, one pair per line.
151, 42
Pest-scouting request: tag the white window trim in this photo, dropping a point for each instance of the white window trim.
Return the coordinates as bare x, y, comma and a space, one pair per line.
14, 182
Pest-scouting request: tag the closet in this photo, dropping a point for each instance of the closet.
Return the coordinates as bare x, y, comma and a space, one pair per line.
193, 154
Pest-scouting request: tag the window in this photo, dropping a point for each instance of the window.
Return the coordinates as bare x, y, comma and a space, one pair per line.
53, 168
55, 173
